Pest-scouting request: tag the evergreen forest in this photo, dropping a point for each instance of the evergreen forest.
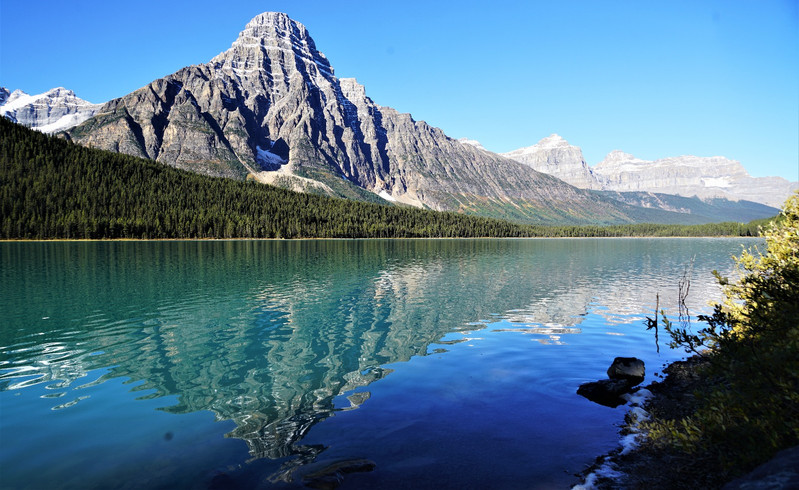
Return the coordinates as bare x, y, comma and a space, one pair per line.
54, 189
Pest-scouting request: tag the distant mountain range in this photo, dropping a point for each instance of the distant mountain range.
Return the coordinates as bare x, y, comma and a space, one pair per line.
704, 177
55, 110
270, 109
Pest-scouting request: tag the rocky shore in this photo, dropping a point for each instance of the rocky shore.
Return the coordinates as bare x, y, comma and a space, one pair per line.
649, 466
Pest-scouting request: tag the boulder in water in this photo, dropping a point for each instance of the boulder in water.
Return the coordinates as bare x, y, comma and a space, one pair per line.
629, 368
623, 374
606, 391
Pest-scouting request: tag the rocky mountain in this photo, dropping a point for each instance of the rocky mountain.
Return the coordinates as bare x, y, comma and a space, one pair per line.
707, 210
475, 143
56, 110
270, 108
553, 155
704, 177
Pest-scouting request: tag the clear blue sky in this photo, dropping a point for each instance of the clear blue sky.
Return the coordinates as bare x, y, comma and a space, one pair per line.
655, 78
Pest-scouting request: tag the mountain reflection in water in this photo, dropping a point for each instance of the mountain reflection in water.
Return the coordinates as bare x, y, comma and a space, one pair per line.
268, 334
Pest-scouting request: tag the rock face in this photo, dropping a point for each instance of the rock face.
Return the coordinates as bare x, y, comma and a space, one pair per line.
271, 108
475, 143
704, 177
689, 176
55, 110
781, 472
553, 155
708, 210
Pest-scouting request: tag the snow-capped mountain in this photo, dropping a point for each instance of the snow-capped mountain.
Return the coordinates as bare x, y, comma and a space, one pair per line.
56, 110
471, 142
553, 155
688, 175
271, 108
704, 177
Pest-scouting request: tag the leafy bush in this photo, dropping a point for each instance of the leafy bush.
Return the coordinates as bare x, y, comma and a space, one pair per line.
749, 408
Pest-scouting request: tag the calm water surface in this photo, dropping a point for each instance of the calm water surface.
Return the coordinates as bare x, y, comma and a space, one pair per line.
248, 364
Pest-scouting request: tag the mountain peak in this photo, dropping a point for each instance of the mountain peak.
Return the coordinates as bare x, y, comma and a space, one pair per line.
271, 36
471, 142
274, 25
60, 92
616, 156
271, 18
554, 140
554, 155
52, 111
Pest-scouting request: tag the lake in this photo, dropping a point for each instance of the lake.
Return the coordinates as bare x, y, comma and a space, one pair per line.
249, 364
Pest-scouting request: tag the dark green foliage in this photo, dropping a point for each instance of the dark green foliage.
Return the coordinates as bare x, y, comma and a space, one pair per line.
748, 409
51, 188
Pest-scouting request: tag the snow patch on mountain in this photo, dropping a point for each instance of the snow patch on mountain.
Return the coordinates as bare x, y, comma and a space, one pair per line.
470, 142
56, 110
266, 156
554, 155
385, 195
66, 121
267, 159
686, 175
716, 182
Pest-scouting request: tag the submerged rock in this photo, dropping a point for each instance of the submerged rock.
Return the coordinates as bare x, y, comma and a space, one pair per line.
624, 374
332, 475
629, 368
606, 392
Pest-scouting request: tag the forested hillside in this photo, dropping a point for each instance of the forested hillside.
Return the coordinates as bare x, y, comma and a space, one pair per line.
51, 188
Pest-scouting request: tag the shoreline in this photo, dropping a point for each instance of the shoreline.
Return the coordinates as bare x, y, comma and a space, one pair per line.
631, 237
638, 463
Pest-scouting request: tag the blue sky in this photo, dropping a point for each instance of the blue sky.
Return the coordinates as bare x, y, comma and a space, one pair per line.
653, 78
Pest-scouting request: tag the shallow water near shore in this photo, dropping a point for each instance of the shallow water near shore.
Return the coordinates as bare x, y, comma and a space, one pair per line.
248, 364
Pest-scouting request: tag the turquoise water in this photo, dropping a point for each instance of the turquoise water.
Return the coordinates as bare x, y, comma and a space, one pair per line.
248, 364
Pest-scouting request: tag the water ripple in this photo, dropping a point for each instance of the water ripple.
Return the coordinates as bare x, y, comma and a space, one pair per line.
275, 337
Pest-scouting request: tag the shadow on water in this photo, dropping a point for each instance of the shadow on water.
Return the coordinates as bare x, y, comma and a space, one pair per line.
271, 334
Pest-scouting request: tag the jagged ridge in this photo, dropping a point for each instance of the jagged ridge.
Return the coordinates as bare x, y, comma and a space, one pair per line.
704, 177
271, 108
55, 110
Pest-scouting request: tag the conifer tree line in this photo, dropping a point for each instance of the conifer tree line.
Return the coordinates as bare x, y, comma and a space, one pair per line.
53, 189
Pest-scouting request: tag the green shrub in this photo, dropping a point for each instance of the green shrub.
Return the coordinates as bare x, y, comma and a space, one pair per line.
749, 408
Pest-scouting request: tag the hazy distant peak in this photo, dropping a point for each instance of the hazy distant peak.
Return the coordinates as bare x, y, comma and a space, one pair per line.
52, 111
620, 156
470, 142
60, 92
554, 155
552, 141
